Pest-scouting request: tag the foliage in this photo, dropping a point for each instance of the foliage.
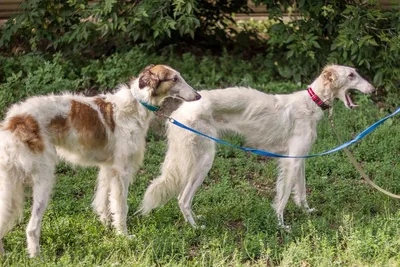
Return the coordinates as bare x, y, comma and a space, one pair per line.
62, 25
41, 23
318, 32
29, 74
370, 39
76, 24
360, 35
32, 75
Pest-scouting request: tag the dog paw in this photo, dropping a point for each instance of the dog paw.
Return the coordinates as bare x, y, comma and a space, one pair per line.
33, 252
201, 227
285, 227
200, 217
105, 222
310, 210
131, 237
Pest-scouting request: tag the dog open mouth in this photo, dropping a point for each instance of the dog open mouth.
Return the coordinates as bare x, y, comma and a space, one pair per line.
349, 101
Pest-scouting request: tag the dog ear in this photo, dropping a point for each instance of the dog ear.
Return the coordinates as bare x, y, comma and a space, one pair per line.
148, 78
148, 67
330, 76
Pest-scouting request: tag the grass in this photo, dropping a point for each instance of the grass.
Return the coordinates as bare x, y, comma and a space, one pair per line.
354, 225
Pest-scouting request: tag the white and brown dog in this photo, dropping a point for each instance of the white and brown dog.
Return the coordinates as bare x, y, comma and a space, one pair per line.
107, 131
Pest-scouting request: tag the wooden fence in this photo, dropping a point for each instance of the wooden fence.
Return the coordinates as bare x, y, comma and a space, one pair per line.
9, 7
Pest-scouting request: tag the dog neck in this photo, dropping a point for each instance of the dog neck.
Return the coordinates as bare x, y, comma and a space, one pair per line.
320, 94
317, 100
144, 97
149, 106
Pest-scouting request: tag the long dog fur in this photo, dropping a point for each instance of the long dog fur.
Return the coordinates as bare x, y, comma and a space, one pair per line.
285, 124
107, 131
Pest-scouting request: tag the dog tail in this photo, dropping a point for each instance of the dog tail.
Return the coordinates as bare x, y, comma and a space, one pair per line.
161, 189
176, 169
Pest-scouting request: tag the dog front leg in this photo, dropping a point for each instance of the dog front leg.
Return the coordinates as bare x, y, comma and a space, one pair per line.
194, 181
119, 186
101, 200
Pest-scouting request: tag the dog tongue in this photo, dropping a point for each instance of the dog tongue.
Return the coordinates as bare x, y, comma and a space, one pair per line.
350, 102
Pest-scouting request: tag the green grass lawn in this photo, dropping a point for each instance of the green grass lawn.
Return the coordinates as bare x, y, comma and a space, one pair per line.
354, 225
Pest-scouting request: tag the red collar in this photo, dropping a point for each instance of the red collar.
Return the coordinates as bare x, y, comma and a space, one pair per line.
317, 100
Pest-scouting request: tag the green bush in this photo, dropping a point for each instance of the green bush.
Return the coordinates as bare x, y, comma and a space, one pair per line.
323, 31
101, 26
27, 76
360, 35
37, 74
75, 24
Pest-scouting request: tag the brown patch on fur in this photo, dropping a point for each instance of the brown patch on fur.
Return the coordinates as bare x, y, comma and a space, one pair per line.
27, 129
86, 121
59, 127
106, 108
148, 78
165, 76
159, 78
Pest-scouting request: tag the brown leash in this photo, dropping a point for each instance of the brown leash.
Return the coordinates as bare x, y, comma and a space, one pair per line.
357, 165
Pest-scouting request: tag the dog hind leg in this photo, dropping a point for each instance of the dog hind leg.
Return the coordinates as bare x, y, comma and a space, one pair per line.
300, 193
292, 176
203, 166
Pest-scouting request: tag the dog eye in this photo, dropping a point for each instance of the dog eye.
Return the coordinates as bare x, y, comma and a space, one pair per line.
351, 75
175, 79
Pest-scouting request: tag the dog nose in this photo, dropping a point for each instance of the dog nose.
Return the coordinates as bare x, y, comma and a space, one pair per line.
198, 96
373, 89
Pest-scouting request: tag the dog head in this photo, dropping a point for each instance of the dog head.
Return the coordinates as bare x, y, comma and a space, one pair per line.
338, 80
156, 82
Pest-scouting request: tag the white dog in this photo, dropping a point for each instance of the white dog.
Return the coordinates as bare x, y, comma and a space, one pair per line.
107, 131
285, 124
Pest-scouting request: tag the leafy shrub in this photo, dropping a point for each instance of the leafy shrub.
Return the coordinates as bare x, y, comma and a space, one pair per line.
360, 35
103, 25
321, 32
37, 74
41, 23
370, 39
56, 25
46, 76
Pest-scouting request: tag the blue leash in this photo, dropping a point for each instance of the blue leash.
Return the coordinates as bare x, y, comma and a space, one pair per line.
270, 154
